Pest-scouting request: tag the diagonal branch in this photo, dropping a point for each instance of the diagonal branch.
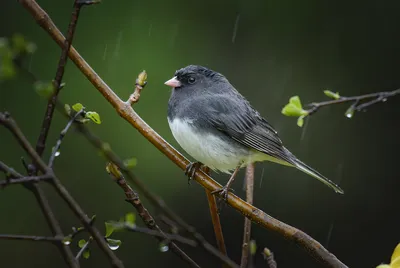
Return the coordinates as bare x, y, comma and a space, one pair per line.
155, 200
8, 122
306, 242
133, 199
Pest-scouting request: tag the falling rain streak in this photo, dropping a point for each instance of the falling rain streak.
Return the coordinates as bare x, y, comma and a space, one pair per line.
262, 176
105, 53
328, 237
304, 130
235, 27
150, 28
118, 45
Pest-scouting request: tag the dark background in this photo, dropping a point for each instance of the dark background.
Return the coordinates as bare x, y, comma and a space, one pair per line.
281, 49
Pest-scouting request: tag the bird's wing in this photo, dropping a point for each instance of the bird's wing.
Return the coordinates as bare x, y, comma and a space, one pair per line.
245, 125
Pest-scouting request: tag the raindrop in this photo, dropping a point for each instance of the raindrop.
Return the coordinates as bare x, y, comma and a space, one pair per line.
163, 247
235, 27
113, 246
67, 240
384, 99
57, 153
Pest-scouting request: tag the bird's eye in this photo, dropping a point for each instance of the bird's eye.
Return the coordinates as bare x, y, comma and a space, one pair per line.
191, 80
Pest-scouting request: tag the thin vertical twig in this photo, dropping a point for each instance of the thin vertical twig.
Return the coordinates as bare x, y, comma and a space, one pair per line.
212, 203
247, 221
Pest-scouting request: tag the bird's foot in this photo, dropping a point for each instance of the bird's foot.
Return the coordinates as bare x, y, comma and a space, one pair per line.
191, 169
223, 192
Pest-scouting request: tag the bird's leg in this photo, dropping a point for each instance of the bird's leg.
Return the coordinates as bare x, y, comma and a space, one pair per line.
225, 189
191, 169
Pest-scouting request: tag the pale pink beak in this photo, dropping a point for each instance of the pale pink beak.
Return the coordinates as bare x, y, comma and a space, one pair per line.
173, 82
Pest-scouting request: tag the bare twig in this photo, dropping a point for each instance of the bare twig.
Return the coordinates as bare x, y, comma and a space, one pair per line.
306, 242
9, 123
212, 204
31, 238
247, 222
85, 246
133, 199
269, 257
377, 97
156, 233
9, 170
62, 135
23, 180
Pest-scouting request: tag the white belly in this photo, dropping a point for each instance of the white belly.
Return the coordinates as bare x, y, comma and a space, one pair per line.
210, 149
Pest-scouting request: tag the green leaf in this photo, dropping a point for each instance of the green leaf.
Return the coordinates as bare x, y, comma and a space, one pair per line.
294, 108
113, 244
130, 219
295, 100
95, 117
77, 107
395, 260
44, 89
110, 228
300, 120
130, 163
81, 243
86, 254
332, 95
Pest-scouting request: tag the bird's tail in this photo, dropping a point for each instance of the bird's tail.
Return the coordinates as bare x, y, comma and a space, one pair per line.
312, 172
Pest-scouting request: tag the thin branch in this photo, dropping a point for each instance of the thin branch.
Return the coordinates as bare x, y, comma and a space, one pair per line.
23, 180
133, 199
306, 242
377, 97
62, 135
269, 257
214, 213
155, 200
9, 123
41, 143
9, 170
85, 246
42, 202
31, 238
247, 222
156, 233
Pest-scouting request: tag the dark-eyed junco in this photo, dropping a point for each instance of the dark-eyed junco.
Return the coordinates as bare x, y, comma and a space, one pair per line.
218, 127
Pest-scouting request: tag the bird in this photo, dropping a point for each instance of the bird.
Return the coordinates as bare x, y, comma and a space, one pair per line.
219, 128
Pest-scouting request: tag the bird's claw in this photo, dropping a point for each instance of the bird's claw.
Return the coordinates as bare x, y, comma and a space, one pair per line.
191, 169
223, 192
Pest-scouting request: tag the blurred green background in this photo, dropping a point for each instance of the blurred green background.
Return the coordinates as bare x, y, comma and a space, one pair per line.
276, 50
